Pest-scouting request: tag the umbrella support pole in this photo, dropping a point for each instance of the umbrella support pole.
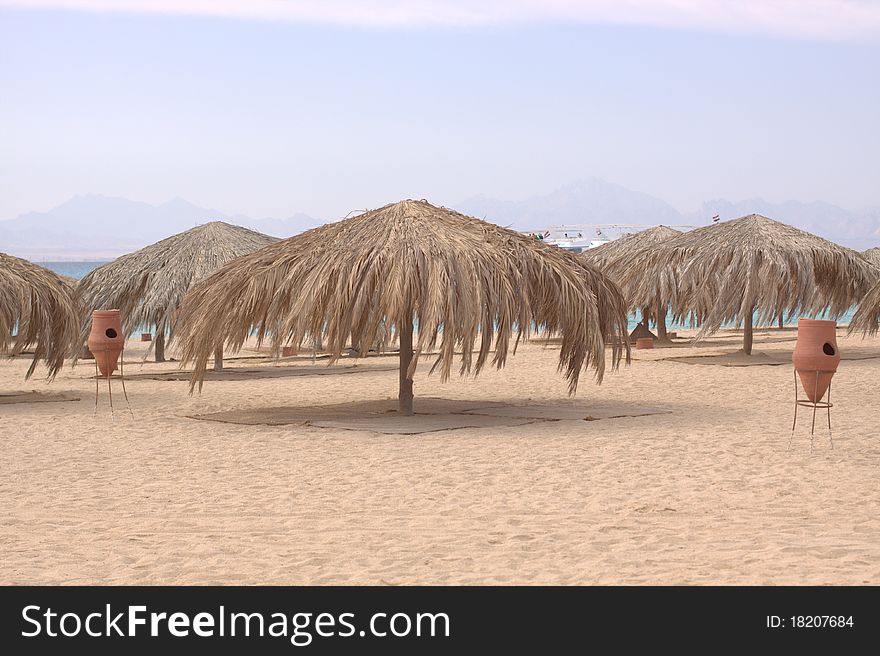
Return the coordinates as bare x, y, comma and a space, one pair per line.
825, 405
405, 391
159, 345
748, 333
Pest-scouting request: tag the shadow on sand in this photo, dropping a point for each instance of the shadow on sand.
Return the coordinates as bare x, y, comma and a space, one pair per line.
431, 415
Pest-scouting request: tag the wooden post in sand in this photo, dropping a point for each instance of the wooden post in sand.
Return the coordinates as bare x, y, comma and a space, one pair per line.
661, 325
661, 321
218, 358
159, 344
748, 333
405, 394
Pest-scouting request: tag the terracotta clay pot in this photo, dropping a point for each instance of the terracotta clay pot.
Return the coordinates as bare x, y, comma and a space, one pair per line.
146, 337
644, 343
106, 339
816, 351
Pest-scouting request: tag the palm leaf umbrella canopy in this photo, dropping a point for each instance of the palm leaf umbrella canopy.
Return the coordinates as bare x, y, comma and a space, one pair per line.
867, 318
615, 257
148, 285
873, 255
459, 279
732, 271
37, 308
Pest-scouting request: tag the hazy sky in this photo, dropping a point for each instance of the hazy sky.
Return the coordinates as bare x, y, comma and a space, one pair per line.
271, 107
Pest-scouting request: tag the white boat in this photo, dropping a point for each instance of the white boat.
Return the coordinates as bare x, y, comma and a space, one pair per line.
581, 237
572, 238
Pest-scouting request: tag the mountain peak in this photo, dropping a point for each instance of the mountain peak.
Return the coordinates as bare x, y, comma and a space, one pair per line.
177, 202
587, 200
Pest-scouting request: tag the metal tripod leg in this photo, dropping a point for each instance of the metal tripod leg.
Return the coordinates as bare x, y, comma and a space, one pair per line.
110, 392
97, 380
122, 378
813, 427
818, 403
794, 423
830, 439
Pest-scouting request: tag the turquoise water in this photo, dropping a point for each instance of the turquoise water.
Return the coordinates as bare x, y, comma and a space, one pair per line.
73, 269
79, 269
672, 325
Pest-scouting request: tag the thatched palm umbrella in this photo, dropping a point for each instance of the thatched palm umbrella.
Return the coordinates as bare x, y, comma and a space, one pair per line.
461, 280
729, 271
39, 307
148, 285
615, 257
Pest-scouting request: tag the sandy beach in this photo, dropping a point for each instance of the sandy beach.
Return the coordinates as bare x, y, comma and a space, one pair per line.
698, 489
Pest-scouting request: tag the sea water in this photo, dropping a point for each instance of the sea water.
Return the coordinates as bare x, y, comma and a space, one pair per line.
842, 320
75, 270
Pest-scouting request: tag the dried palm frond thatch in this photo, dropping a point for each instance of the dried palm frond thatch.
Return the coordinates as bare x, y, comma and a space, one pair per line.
148, 285
867, 317
873, 255
751, 266
459, 279
37, 308
615, 257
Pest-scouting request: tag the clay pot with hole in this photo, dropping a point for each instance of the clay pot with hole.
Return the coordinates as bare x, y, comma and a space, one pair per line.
106, 339
816, 356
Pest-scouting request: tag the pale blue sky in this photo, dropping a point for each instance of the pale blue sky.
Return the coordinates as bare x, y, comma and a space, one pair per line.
273, 117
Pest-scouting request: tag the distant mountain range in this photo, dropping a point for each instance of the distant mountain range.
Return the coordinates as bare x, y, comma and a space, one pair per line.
597, 201
93, 226
97, 227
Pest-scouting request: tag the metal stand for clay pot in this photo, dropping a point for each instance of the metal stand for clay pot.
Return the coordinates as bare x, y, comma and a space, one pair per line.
109, 388
815, 406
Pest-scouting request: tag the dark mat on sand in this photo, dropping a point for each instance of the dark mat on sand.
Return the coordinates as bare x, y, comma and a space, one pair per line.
252, 373
33, 396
